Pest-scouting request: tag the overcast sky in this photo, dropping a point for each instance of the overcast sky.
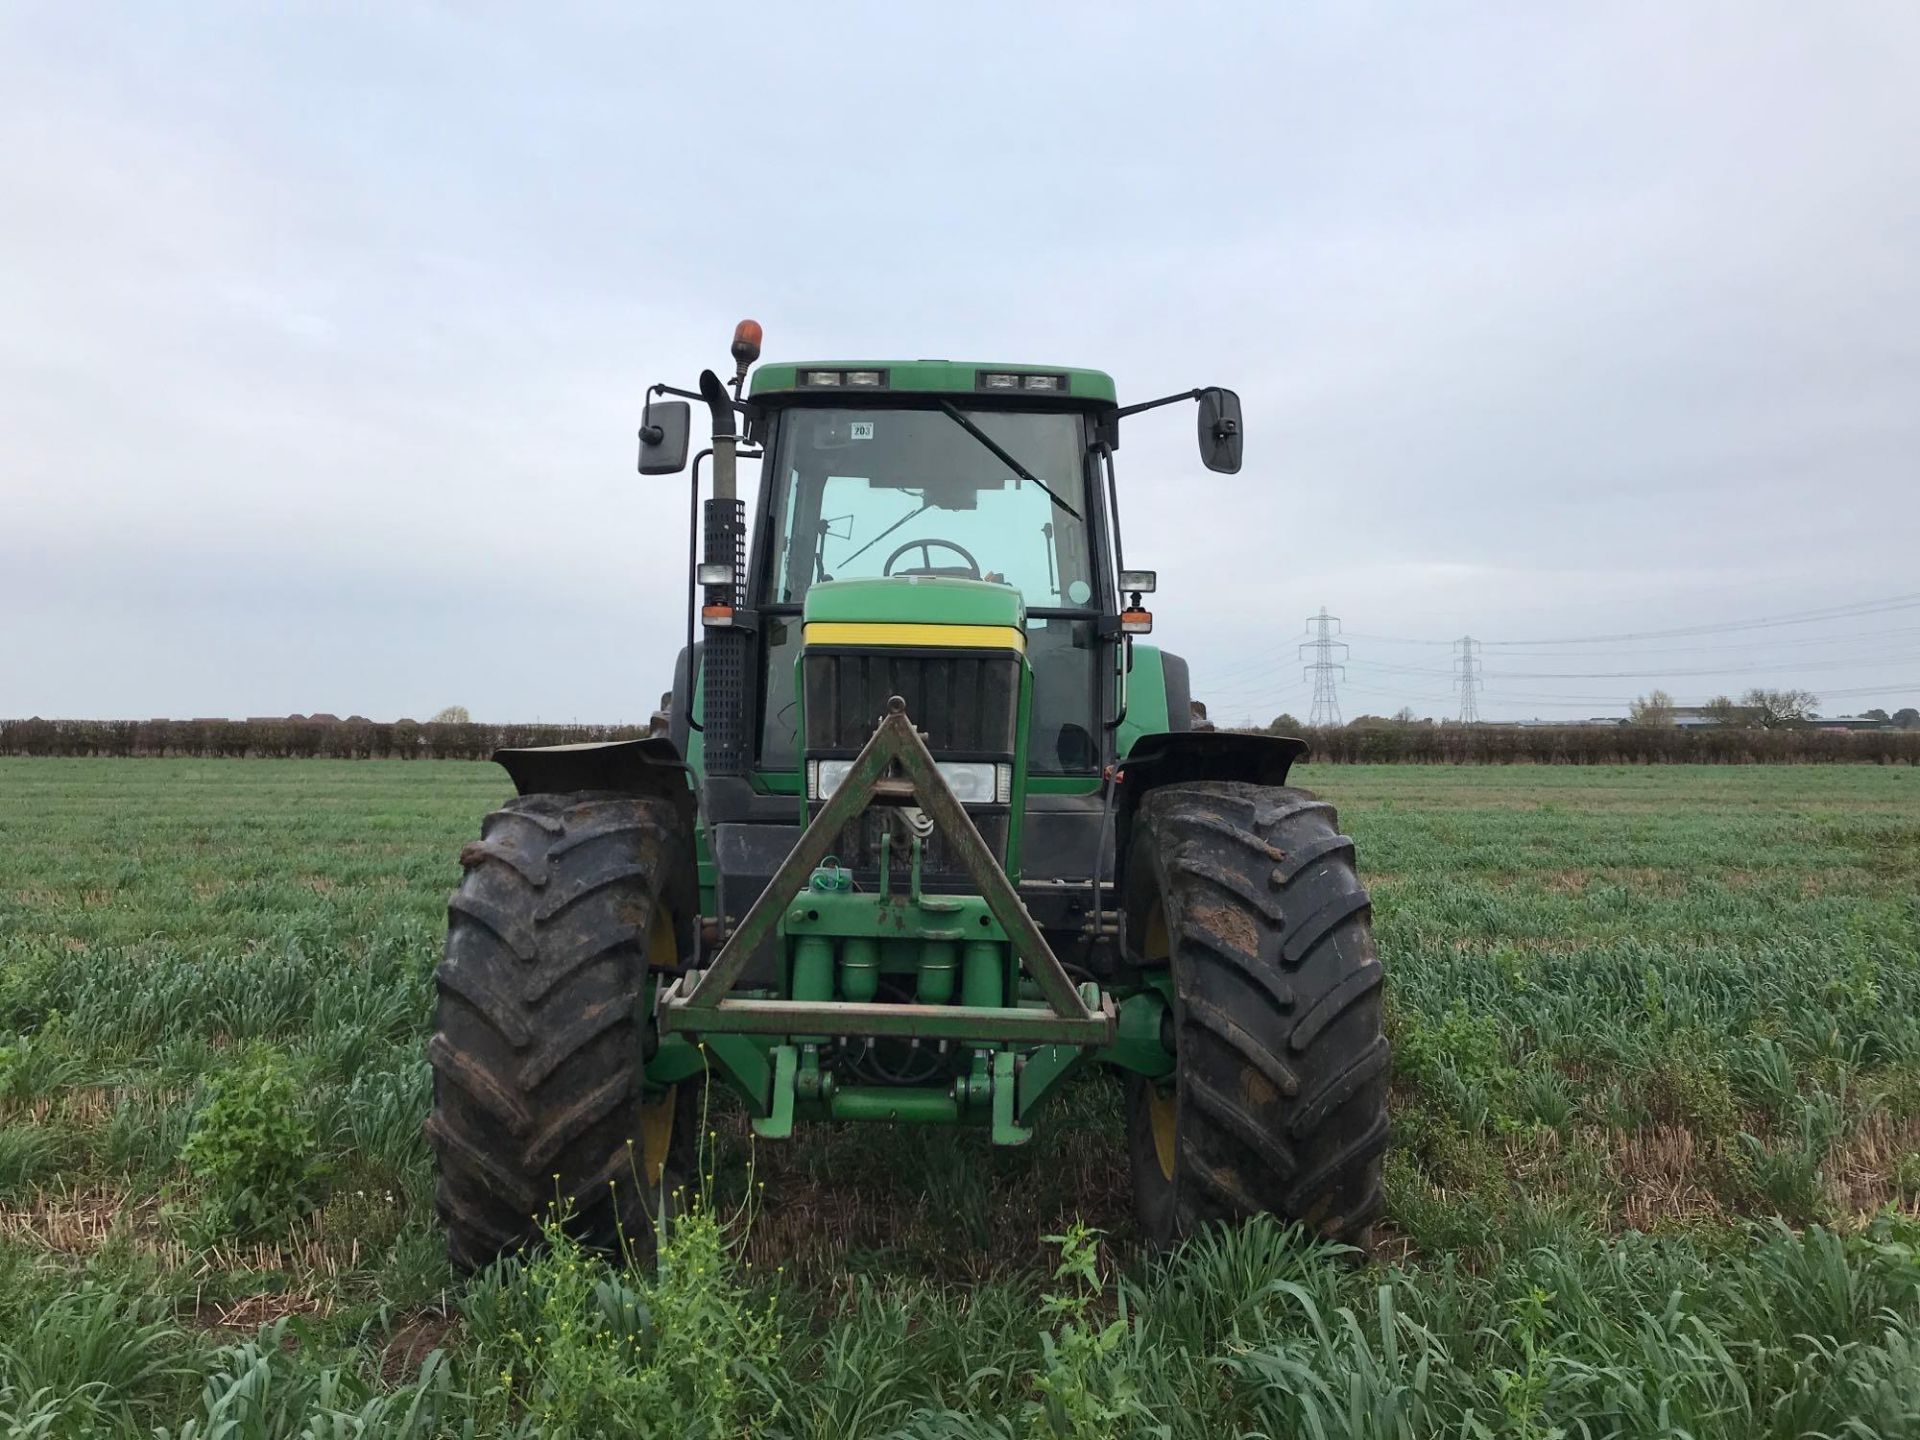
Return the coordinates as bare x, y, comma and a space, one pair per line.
323, 336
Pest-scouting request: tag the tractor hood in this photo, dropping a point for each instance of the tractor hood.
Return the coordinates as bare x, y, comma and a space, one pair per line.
953, 652
848, 611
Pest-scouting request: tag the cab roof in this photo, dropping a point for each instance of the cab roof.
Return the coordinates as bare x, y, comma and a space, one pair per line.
930, 377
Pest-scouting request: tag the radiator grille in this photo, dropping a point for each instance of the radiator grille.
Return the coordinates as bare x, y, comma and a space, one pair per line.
966, 704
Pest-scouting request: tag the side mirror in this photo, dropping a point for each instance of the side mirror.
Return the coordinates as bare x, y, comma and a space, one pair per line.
664, 429
1221, 437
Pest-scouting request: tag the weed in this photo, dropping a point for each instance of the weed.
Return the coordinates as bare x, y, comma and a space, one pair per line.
1461, 1061
1691, 1088
1086, 1383
580, 1348
254, 1147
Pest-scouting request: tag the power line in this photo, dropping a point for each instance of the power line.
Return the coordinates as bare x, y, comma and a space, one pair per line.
1394, 639
1908, 687
1873, 640
1768, 642
1727, 627
1264, 665
1408, 669
1797, 668
1852, 610
1326, 699
1734, 649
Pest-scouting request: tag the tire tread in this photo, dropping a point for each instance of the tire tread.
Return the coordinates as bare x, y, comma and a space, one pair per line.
537, 1032
1281, 1062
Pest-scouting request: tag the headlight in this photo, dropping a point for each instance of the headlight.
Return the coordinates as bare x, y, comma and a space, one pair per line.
970, 780
824, 777
973, 782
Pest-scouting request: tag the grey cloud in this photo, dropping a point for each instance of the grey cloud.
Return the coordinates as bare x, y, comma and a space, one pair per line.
326, 335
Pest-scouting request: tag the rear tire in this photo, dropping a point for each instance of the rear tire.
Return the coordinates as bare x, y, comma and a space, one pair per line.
538, 1101
1278, 1100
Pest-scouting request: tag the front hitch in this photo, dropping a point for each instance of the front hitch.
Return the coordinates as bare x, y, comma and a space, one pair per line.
894, 768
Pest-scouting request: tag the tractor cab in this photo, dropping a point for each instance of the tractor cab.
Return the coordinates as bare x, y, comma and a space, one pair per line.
993, 487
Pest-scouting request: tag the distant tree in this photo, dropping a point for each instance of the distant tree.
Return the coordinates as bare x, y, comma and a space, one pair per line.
1723, 709
1284, 724
452, 715
1875, 714
1653, 708
1773, 709
1405, 716
1907, 718
1368, 722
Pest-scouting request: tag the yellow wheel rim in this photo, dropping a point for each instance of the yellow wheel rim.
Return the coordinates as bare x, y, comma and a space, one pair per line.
656, 1112
1164, 1115
656, 1135
1156, 945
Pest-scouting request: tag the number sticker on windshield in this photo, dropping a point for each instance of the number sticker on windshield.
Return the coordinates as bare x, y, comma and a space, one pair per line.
861, 429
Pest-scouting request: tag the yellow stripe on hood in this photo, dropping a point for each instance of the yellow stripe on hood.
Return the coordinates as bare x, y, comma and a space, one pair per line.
912, 636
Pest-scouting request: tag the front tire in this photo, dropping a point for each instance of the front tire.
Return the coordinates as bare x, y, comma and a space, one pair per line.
567, 903
1248, 895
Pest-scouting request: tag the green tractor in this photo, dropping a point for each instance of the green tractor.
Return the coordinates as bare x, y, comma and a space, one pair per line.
922, 831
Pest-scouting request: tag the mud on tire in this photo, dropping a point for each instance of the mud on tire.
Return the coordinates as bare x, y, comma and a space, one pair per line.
536, 1053
1278, 1100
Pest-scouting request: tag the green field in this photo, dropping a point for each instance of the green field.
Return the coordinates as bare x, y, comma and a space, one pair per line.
1656, 1172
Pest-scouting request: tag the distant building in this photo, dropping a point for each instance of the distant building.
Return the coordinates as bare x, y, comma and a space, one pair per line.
1698, 717
1848, 722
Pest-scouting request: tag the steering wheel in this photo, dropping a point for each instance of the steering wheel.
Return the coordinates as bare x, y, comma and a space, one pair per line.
926, 548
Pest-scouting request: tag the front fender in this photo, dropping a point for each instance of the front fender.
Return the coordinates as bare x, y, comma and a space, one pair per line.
1184, 756
650, 769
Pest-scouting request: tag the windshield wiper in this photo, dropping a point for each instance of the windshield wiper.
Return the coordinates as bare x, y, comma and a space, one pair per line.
1012, 464
882, 535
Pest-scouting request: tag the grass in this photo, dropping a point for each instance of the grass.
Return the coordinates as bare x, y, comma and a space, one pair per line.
1657, 1160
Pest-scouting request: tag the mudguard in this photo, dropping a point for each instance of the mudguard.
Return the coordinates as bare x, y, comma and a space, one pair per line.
1182, 756
649, 768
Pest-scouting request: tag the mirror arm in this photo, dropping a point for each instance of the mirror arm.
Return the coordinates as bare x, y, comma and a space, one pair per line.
745, 407
1126, 410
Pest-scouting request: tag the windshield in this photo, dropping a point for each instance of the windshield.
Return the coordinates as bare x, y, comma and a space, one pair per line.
869, 493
